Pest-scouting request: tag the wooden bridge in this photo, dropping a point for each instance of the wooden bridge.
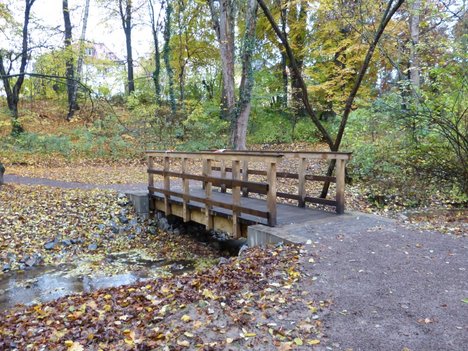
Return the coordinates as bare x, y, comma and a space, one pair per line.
231, 190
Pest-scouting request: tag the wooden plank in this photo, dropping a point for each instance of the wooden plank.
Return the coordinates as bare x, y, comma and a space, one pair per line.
212, 202
245, 177
287, 196
167, 186
186, 191
271, 196
287, 175
150, 167
320, 201
208, 191
340, 186
256, 157
301, 184
254, 187
222, 170
236, 196
325, 155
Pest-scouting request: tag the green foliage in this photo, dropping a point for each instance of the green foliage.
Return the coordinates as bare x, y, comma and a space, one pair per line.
269, 126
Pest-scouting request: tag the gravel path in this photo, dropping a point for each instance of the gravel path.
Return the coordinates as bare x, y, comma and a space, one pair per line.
11, 178
391, 288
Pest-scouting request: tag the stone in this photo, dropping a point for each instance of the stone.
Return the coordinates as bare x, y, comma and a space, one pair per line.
66, 242
31, 261
6, 267
92, 247
76, 241
152, 230
50, 245
123, 219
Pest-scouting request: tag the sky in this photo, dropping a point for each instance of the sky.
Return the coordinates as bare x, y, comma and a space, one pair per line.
100, 28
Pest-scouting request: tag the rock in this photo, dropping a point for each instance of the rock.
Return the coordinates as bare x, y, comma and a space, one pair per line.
31, 261
223, 260
6, 267
66, 242
114, 227
50, 245
152, 230
76, 241
101, 226
92, 247
176, 231
164, 225
138, 230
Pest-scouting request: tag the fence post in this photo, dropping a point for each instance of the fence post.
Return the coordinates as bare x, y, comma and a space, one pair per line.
186, 191
340, 186
245, 177
236, 196
301, 183
150, 175
208, 191
271, 195
167, 186
223, 175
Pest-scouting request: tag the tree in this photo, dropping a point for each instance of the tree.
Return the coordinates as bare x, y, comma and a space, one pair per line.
13, 90
334, 143
69, 62
125, 12
157, 54
167, 55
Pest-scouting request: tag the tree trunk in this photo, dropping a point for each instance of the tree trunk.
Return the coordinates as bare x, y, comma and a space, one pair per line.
223, 23
298, 18
81, 52
69, 61
414, 70
13, 93
242, 112
167, 56
157, 54
126, 17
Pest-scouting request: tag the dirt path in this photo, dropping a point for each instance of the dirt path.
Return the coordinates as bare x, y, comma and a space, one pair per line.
390, 287
11, 178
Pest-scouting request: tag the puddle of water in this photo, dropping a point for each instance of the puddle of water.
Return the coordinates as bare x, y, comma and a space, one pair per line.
44, 284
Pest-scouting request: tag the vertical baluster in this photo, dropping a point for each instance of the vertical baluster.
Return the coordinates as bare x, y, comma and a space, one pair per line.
167, 186
208, 192
150, 175
186, 191
245, 177
223, 175
236, 196
340, 186
271, 195
301, 181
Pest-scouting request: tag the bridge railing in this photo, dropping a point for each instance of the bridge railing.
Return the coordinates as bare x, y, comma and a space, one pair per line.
220, 162
301, 174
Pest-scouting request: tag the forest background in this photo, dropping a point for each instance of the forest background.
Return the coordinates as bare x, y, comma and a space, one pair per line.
384, 79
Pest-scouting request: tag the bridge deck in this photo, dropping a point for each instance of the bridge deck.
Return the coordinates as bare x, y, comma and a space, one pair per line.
286, 214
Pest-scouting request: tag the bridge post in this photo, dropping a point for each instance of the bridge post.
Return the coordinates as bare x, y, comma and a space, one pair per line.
223, 175
245, 177
301, 184
271, 195
340, 186
167, 186
236, 196
186, 191
208, 191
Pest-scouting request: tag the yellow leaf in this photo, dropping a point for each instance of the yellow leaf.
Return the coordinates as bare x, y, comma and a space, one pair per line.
229, 340
298, 341
184, 343
313, 342
250, 335
185, 318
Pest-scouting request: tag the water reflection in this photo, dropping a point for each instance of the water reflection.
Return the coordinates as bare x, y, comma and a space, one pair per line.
50, 283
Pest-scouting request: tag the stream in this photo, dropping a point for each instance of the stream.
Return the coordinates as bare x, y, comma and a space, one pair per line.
42, 284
